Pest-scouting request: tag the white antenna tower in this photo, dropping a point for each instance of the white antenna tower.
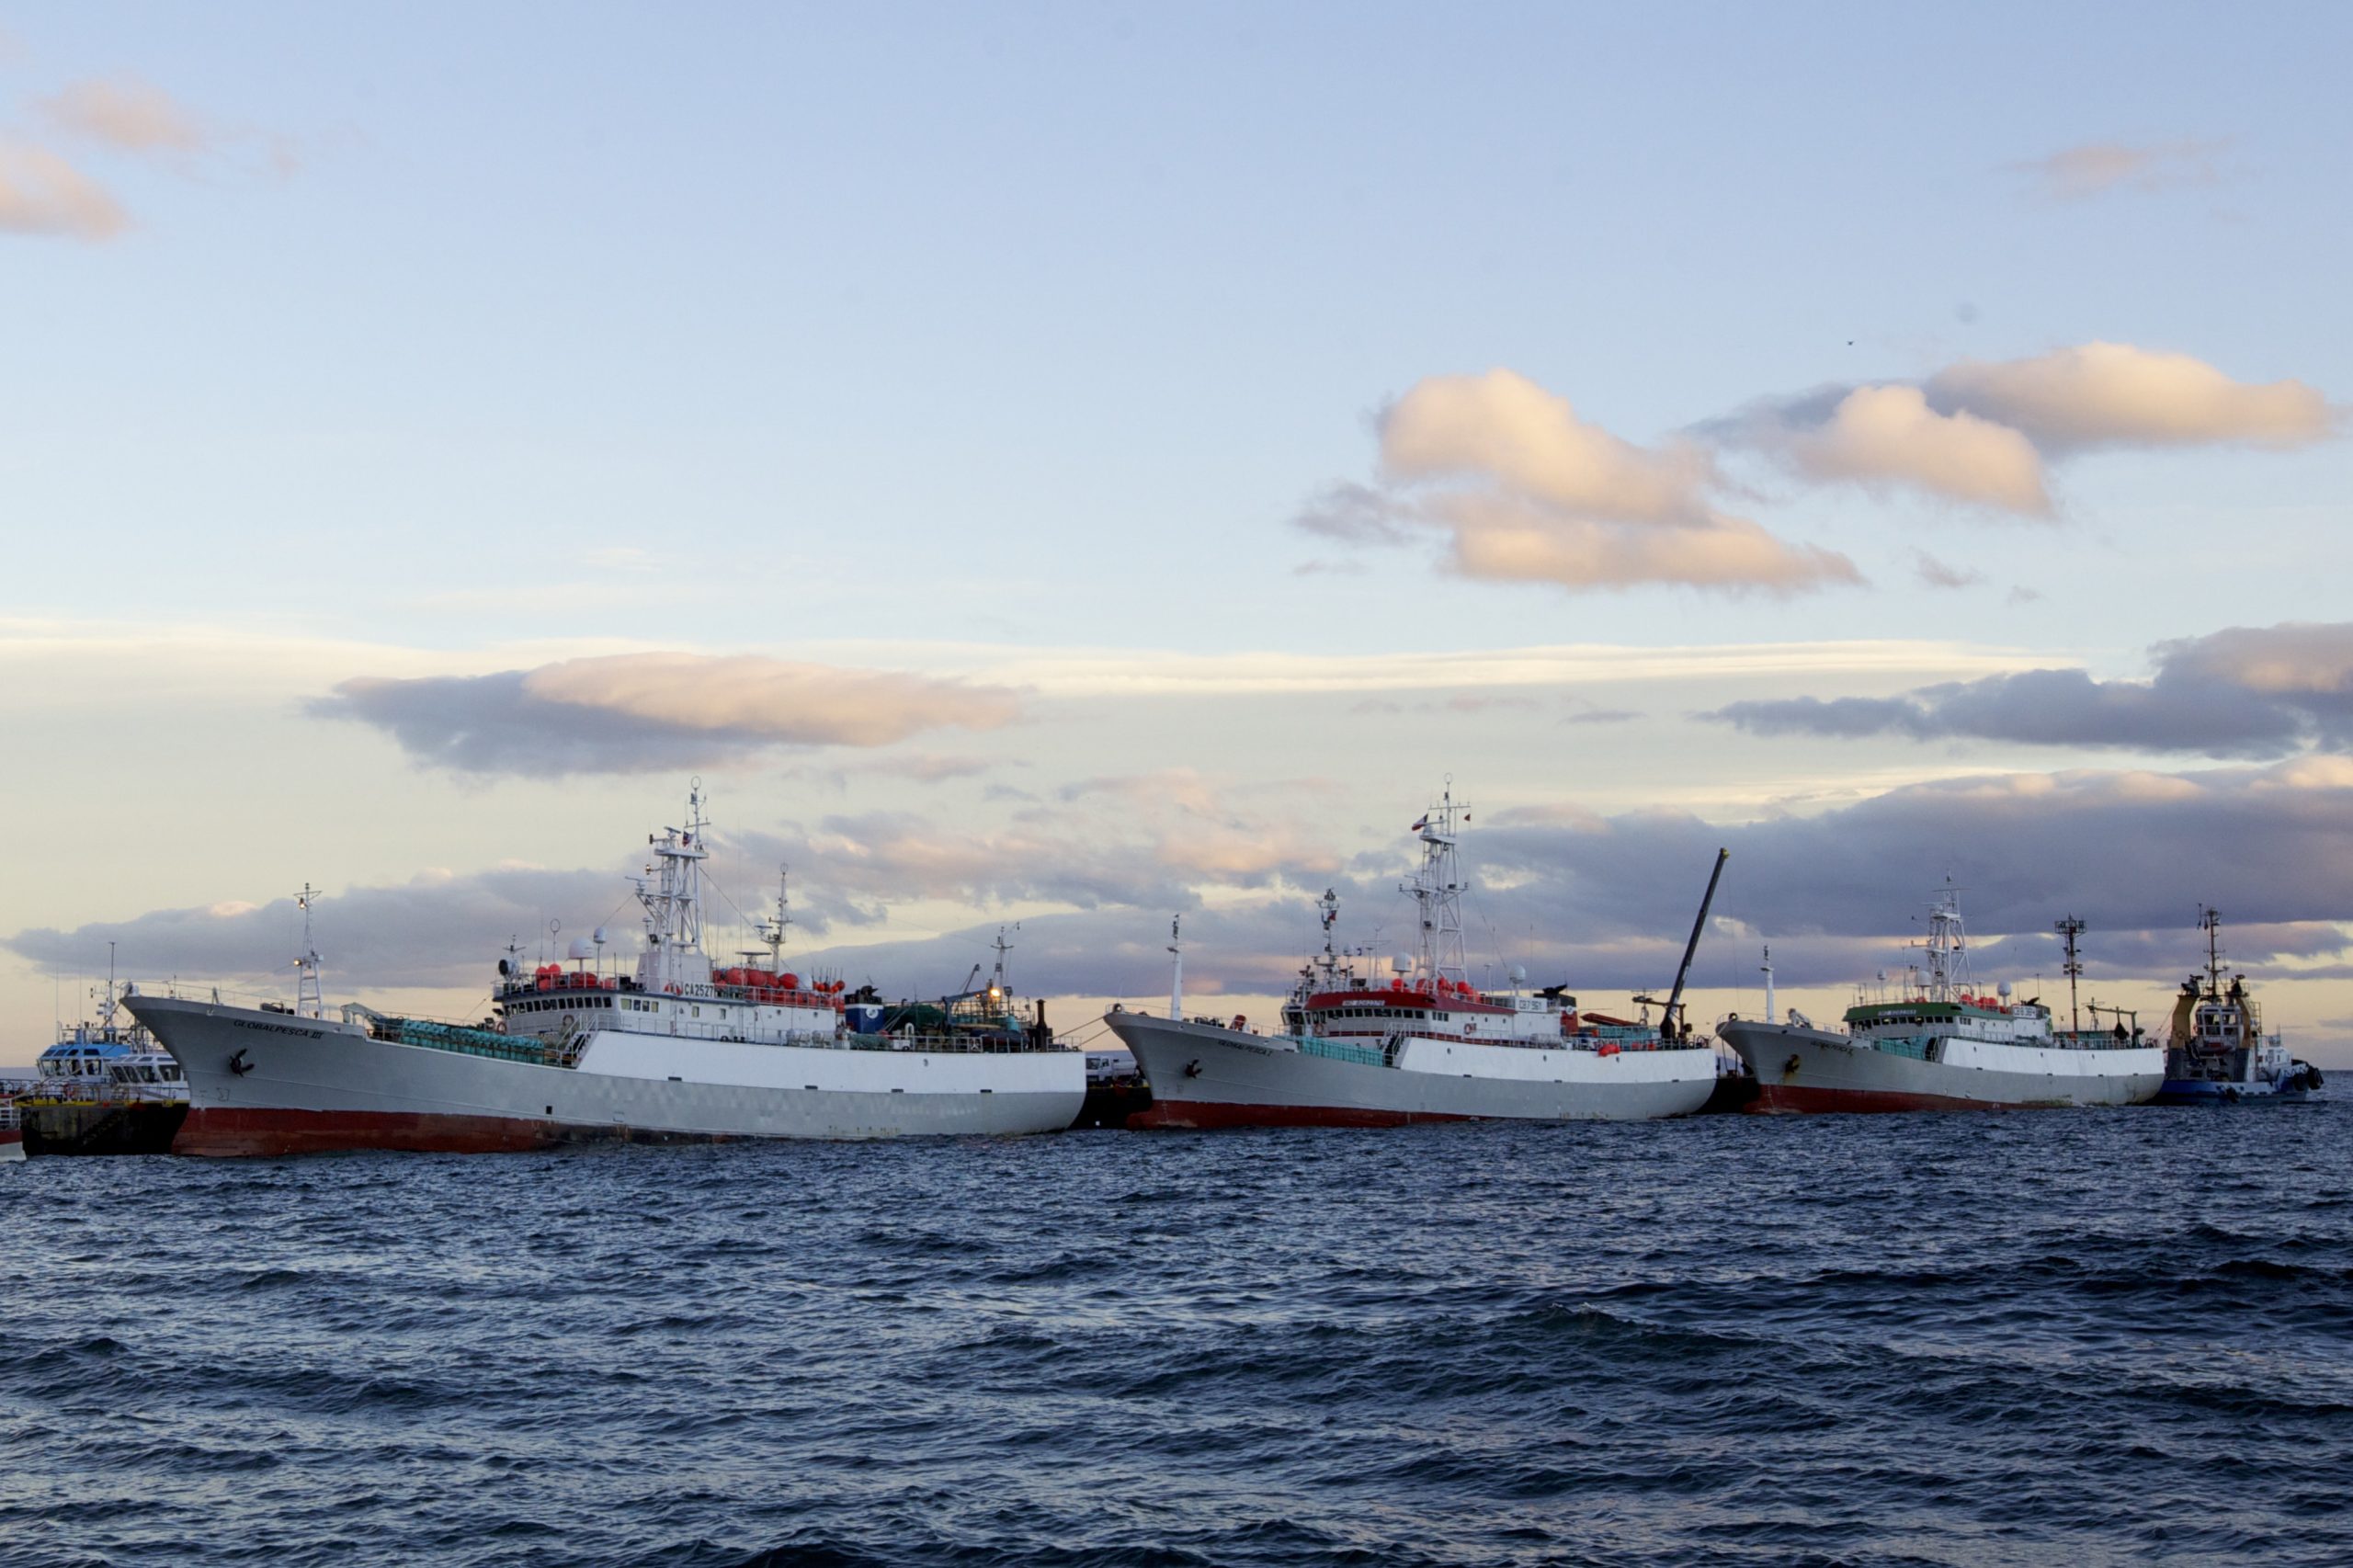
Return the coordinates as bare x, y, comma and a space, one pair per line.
998, 988
1436, 889
308, 1001
781, 927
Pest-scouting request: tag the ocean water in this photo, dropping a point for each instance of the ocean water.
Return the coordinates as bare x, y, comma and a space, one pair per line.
2078, 1337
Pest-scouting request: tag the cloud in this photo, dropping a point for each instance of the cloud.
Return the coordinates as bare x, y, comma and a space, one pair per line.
1503, 428
2097, 168
1888, 434
2098, 395
1984, 433
2312, 661
1355, 514
435, 930
2243, 692
1502, 538
1525, 491
2128, 850
633, 712
1601, 901
1604, 902
1935, 573
127, 114
41, 193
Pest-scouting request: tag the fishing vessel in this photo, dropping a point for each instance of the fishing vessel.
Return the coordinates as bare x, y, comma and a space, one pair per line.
675, 1051
2216, 1051
1356, 1050
103, 1086
1939, 1043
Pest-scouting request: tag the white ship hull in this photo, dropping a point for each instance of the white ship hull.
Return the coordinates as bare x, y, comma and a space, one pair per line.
1202, 1075
1809, 1070
266, 1083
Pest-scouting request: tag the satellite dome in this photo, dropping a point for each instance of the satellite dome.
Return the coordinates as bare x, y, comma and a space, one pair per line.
582, 949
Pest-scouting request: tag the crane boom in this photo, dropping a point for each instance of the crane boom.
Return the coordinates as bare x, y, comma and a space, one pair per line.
1683, 971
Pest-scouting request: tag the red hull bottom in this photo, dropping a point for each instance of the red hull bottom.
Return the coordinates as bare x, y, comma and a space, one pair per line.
1776, 1098
1206, 1114
223, 1132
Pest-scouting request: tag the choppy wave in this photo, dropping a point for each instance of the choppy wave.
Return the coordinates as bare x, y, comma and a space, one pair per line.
2053, 1337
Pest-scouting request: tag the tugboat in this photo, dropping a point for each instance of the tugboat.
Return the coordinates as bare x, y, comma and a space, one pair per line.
675, 1051
2216, 1051
1425, 1045
104, 1088
1941, 1045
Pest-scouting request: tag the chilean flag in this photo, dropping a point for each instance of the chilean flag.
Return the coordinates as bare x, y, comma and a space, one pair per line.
1421, 824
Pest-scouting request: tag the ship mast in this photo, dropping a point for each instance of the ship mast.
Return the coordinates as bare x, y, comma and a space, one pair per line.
2209, 920
105, 1009
308, 1001
1175, 971
1436, 889
1946, 948
776, 929
1327, 909
998, 988
2069, 928
674, 953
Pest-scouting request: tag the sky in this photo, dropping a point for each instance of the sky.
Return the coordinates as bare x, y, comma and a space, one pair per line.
1079, 465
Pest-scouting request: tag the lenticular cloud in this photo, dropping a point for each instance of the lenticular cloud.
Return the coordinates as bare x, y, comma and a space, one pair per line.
637, 712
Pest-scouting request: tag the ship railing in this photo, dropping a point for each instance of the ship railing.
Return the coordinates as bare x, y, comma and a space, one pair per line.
184, 990
937, 1044
104, 1091
2096, 1039
466, 1039
9, 1118
1341, 1050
